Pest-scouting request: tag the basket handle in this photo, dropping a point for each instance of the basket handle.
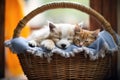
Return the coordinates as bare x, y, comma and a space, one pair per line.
105, 24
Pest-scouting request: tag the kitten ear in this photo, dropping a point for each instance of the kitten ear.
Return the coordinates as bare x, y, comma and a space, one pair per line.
83, 25
51, 26
77, 28
95, 33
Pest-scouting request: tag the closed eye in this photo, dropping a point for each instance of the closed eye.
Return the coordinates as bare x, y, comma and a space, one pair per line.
78, 39
70, 38
56, 37
86, 41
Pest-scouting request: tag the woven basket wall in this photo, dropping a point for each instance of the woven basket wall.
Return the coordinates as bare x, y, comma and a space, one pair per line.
60, 68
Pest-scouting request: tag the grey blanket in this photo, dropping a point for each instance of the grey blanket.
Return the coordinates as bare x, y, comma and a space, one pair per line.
104, 44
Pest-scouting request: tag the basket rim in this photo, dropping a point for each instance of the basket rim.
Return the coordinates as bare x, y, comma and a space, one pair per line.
64, 4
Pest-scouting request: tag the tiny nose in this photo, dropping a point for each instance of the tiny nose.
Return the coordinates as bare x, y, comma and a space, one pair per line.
63, 45
81, 44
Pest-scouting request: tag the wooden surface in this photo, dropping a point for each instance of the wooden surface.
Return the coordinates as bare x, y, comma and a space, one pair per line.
110, 13
96, 5
2, 8
108, 8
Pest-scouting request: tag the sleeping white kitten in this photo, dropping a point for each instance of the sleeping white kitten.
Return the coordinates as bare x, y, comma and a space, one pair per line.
60, 35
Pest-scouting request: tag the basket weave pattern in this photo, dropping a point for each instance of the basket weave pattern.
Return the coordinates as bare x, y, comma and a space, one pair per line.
60, 68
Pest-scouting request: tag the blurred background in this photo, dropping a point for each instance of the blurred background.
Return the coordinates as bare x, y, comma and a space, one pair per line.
57, 15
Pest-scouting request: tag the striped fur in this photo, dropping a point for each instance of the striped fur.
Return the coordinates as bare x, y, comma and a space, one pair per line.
84, 37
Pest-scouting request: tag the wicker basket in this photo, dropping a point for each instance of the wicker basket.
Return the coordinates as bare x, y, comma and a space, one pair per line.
61, 68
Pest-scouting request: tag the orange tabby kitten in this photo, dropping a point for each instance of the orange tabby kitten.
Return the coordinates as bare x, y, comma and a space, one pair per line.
84, 37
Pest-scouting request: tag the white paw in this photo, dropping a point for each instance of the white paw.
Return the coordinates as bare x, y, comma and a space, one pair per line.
49, 44
32, 43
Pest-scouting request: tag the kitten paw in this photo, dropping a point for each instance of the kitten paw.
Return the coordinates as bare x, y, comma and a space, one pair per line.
49, 44
32, 43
